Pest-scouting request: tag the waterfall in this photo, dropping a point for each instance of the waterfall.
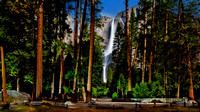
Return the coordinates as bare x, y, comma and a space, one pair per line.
108, 52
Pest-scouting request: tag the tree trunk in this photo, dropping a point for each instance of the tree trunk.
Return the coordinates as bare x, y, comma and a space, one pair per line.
3, 76
80, 41
165, 63
39, 53
135, 54
128, 49
18, 85
52, 86
191, 91
178, 87
76, 30
145, 46
151, 72
53, 77
74, 97
61, 70
83, 90
80, 47
89, 83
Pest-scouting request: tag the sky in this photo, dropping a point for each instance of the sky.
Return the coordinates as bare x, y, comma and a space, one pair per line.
113, 7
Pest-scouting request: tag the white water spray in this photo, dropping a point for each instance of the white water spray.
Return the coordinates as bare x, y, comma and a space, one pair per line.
108, 52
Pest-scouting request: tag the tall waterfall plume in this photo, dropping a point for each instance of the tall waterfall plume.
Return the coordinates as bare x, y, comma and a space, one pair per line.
108, 52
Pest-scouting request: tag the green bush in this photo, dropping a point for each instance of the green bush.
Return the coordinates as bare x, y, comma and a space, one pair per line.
141, 91
67, 89
148, 90
99, 91
156, 90
115, 95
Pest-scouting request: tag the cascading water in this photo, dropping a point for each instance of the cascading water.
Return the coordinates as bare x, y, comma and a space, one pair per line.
108, 52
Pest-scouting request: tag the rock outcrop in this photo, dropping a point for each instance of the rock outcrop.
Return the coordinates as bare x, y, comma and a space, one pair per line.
17, 98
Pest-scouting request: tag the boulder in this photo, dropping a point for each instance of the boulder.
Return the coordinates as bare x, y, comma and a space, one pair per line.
192, 103
17, 98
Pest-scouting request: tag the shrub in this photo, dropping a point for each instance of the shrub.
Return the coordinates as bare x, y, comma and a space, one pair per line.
115, 95
141, 91
148, 90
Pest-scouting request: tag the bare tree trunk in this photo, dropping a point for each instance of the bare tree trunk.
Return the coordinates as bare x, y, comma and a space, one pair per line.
39, 53
178, 87
83, 90
76, 30
191, 91
80, 46
135, 54
3, 76
152, 42
18, 85
145, 46
61, 70
90, 68
74, 97
54, 69
128, 49
52, 86
165, 63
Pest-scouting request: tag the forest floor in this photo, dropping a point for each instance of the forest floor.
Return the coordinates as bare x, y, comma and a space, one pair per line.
83, 107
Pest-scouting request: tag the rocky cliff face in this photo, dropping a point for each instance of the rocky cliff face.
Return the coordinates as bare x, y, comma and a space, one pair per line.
106, 29
121, 16
70, 22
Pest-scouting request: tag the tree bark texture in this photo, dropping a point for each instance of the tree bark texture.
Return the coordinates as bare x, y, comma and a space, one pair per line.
76, 30
191, 90
145, 46
18, 85
128, 48
90, 69
151, 72
3, 76
135, 54
39, 53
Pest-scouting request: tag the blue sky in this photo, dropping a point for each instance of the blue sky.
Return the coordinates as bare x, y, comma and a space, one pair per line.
112, 7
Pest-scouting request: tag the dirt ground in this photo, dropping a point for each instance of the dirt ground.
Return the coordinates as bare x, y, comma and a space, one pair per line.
46, 108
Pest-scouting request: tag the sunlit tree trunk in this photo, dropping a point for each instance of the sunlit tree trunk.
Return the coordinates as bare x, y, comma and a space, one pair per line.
151, 72
135, 54
39, 53
178, 86
128, 49
18, 85
61, 69
3, 76
52, 86
53, 77
145, 46
83, 90
191, 91
90, 69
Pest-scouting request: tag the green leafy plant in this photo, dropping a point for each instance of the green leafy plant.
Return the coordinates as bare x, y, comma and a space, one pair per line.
67, 89
115, 95
141, 91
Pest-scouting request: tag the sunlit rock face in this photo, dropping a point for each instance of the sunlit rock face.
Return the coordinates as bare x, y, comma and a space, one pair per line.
70, 22
121, 16
105, 30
